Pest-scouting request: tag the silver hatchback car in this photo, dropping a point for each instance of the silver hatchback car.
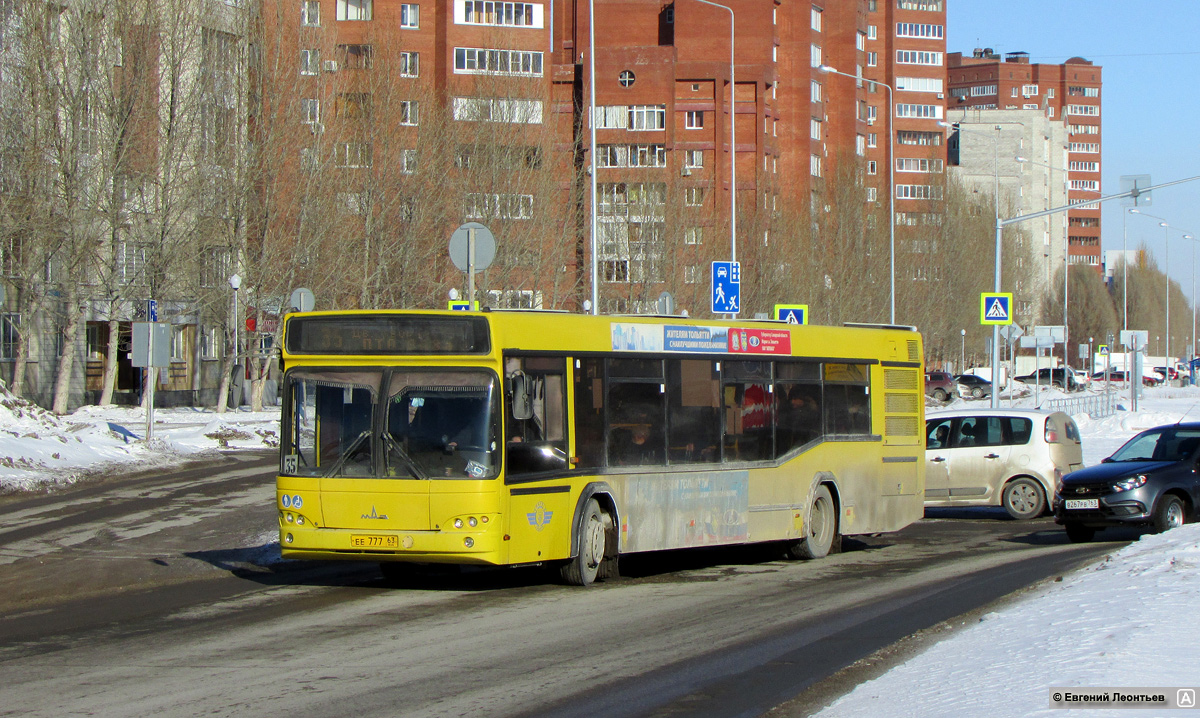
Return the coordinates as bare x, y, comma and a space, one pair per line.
998, 457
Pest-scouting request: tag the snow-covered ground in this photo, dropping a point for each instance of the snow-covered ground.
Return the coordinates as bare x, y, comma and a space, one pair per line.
41, 450
1121, 622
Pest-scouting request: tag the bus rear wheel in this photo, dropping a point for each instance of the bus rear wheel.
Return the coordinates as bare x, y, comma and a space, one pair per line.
583, 567
819, 530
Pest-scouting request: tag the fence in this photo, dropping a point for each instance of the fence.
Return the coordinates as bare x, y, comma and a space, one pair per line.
1097, 406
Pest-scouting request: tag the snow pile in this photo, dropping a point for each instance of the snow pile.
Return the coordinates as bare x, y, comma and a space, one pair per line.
39, 449
1118, 623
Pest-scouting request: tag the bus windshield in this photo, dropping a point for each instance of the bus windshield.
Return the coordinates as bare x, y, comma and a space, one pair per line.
425, 425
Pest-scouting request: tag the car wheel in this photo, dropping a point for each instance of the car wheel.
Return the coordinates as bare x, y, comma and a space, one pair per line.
1078, 533
1056, 385
976, 393
940, 394
820, 530
1023, 499
1169, 513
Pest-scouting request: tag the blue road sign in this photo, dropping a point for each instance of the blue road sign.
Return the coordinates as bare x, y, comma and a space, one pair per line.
792, 313
995, 308
153, 310
726, 287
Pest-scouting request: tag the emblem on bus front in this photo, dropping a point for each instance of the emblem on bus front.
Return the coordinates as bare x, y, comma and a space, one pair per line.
374, 515
539, 517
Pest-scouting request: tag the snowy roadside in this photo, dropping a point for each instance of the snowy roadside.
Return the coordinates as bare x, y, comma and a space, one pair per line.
41, 450
1116, 623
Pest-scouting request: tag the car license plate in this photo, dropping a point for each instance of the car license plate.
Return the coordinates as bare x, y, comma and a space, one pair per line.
371, 541
1073, 504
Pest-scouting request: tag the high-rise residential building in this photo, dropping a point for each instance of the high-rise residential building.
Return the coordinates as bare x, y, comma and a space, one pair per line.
1069, 93
667, 121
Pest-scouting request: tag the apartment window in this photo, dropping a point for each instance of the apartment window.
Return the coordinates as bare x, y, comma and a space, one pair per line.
814, 129
693, 159
693, 196
1084, 166
354, 202
310, 161
1085, 147
310, 13
354, 9
918, 191
872, 59
1030, 106
408, 112
860, 145
131, 260
648, 117
408, 162
918, 57
872, 139
481, 61
506, 14
872, 32
410, 64
1029, 90
919, 84
354, 57
912, 137
924, 5
1092, 110
310, 62
814, 165
1050, 92
1079, 91
917, 29
860, 41
872, 114
693, 120
872, 194
1050, 112
482, 205
353, 105
512, 111
693, 235
816, 19
410, 16
1085, 185
626, 78
310, 110
631, 156
872, 167
816, 90
911, 164
919, 111
352, 154
1015, 92
1083, 129
692, 274
815, 55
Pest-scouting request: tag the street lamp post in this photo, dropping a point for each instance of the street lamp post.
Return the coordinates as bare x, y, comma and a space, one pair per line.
963, 359
732, 137
236, 282
592, 123
891, 177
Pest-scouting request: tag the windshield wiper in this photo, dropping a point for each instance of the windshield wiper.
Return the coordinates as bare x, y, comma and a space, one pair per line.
337, 466
391, 443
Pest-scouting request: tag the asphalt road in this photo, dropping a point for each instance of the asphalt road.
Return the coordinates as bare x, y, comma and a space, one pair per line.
162, 594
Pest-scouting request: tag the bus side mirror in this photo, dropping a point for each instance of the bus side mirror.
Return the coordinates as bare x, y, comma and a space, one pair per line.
522, 406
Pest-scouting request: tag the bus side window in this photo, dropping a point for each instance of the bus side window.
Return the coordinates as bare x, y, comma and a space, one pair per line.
538, 443
693, 411
589, 413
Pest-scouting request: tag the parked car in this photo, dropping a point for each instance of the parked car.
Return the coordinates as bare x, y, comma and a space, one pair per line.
998, 457
1056, 377
940, 385
973, 386
1082, 378
1118, 376
1167, 373
1151, 480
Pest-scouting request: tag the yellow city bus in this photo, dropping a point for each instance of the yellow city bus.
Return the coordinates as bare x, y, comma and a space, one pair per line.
516, 438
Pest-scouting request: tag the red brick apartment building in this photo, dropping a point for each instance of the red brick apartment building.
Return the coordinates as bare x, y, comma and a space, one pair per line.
1069, 92
475, 75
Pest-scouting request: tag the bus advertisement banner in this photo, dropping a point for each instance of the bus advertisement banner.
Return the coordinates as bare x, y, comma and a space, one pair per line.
700, 339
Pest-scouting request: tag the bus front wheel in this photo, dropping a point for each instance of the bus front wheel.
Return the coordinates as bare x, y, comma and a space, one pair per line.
582, 568
819, 530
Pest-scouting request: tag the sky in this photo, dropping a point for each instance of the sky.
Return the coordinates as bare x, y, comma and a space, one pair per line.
1149, 108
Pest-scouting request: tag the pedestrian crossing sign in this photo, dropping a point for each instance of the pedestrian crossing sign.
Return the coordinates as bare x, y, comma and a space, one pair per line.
792, 313
995, 308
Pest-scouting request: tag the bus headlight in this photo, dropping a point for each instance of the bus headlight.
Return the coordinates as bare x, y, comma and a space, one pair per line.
468, 542
458, 523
